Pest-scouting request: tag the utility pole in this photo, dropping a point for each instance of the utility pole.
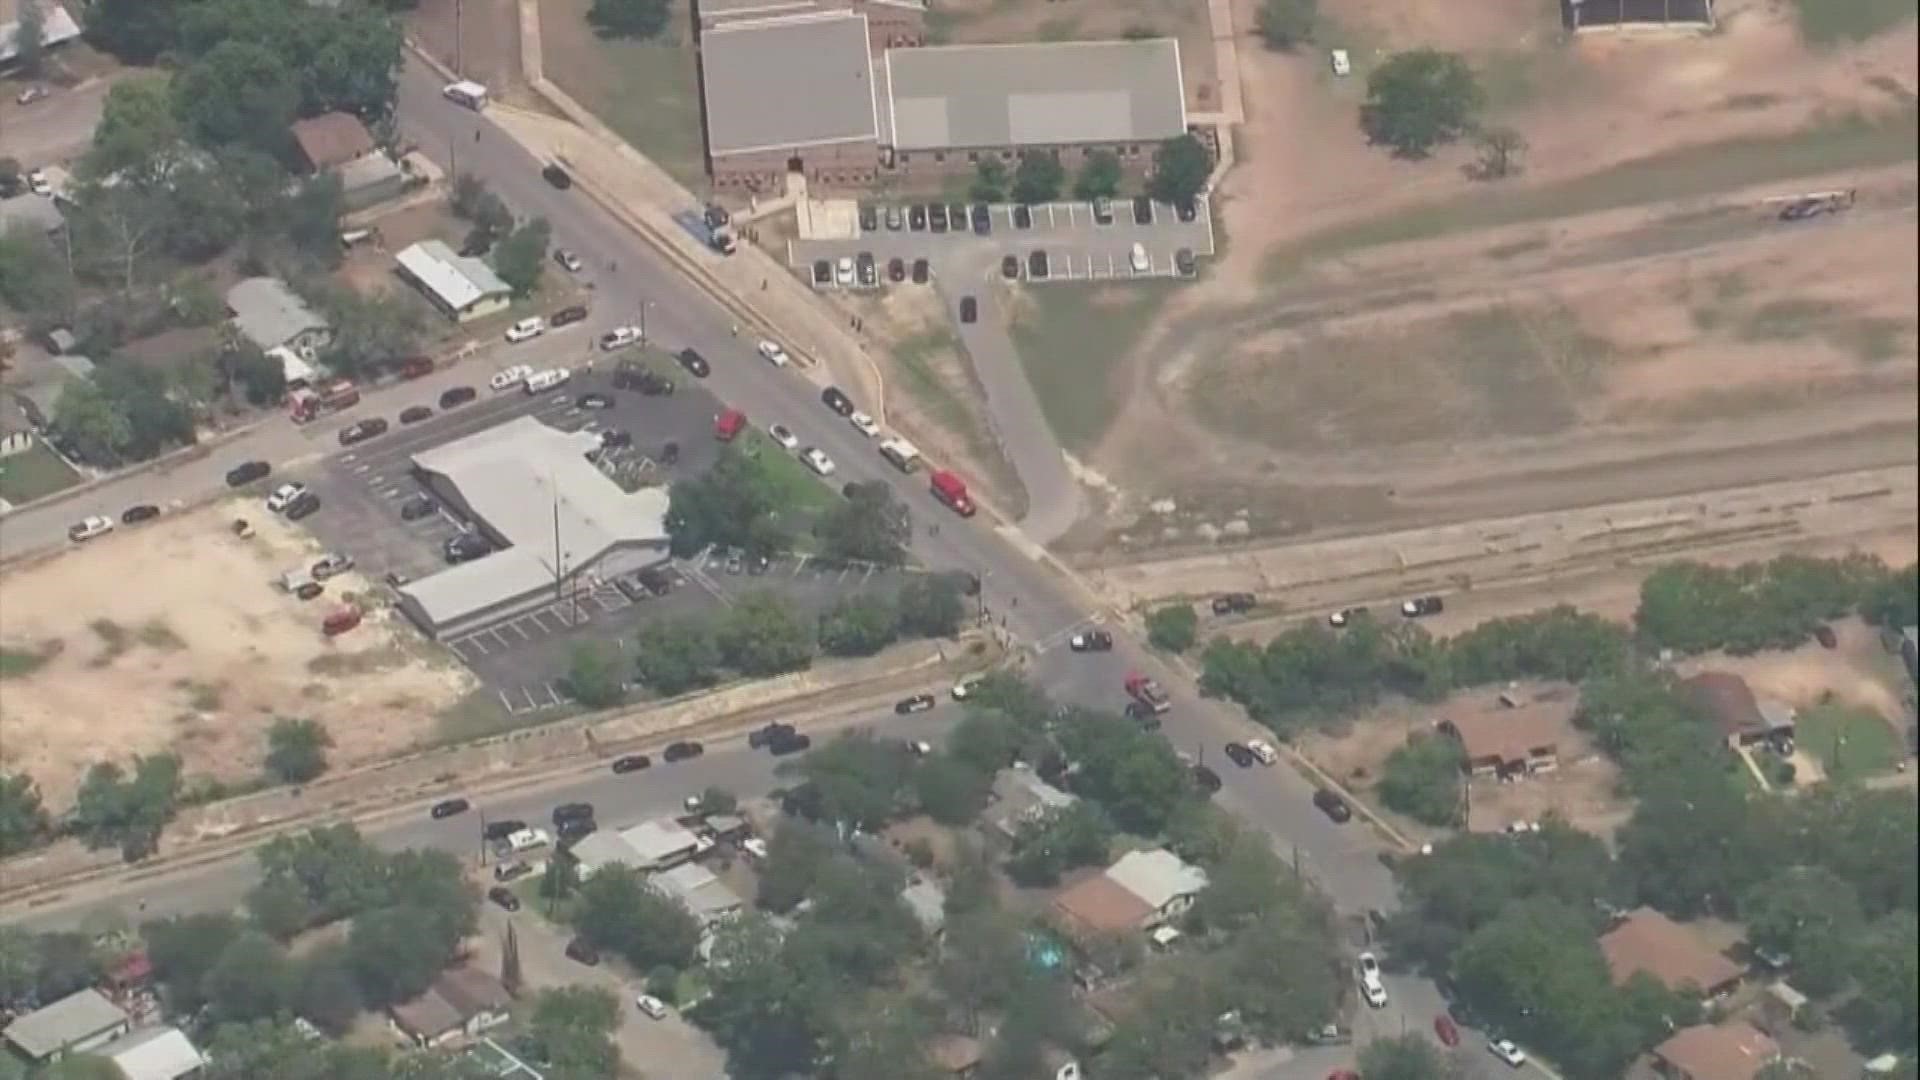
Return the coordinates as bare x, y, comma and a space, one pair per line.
459, 42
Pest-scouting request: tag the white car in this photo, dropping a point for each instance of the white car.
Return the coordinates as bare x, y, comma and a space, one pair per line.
1371, 987
568, 260
1263, 750
510, 378
90, 527
1506, 1051
817, 460
619, 338
30, 95
284, 495
652, 1006
754, 847
921, 747
542, 381
843, 271
964, 687
526, 329
1138, 258
37, 183
782, 434
775, 355
864, 424
1342, 64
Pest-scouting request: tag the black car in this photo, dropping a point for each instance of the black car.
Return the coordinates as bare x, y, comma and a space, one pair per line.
1206, 779
822, 272
937, 217
303, 506
1186, 210
768, 734
458, 396
914, 704
921, 271
1332, 805
573, 811
1091, 641
500, 830
616, 438
869, 273
969, 309
1010, 267
1023, 217
557, 176
467, 546
982, 219
247, 472
682, 751
504, 897
1103, 211
573, 829
917, 218
869, 218
1423, 605
1143, 715
1240, 755
1234, 603
567, 316
896, 270
581, 951
957, 216
417, 507
789, 744
1037, 266
1142, 210
837, 401
147, 512
362, 430
446, 808
414, 414
1183, 262
695, 364
593, 400
627, 763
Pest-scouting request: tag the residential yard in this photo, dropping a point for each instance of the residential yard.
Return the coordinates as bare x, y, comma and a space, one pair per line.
649, 92
34, 473
1859, 678
202, 656
1851, 742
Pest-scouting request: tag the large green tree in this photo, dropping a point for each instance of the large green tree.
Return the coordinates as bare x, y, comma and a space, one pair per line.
114, 809
1422, 779
1420, 99
297, 749
1099, 176
618, 911
239, 92
23, 819
858, 625
521, 258
675, 655
1059, 840
1180, 169
1038, 178
763, 634
870, 525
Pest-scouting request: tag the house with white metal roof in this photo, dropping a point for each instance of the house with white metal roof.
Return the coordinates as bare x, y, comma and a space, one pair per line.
462, 287
161, 1053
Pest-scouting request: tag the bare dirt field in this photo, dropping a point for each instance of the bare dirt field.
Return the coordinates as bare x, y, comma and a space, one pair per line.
172, 636
968, 22
1385, 340
478, 38
1582, 791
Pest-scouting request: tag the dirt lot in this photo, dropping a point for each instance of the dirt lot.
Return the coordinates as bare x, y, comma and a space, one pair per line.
1859, 673
968, 22
171, 636
1582, 790
1628, 305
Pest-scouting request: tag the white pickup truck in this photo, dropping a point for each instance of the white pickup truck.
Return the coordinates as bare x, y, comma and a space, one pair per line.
527, 840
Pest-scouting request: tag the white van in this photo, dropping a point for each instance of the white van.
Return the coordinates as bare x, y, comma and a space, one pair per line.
900, 454
468, 93
542, 381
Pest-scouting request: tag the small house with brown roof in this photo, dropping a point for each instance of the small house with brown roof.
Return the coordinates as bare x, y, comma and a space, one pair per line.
1732, 1051
462, 1002
1742, 718
1647, 941
1511, 741
330, 140
957, 1055
1100, 905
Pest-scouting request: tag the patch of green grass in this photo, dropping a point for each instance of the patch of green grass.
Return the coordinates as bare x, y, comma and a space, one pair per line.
17, 663
802, 496
34, 473
915, 358
1073, 340
156, 634
1868, 338
647, 91
346, 665
481, 714
1829, 22
1693, 172
1851, 742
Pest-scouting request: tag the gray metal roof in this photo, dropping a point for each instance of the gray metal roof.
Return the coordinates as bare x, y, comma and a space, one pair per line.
72, 1019
30, 211
518, 477
1035, 95
789, 82
269, 313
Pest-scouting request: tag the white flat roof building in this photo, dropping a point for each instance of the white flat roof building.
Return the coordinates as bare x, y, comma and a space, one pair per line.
162, 1053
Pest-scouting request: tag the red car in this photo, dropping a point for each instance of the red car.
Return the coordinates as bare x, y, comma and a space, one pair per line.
1445, 1031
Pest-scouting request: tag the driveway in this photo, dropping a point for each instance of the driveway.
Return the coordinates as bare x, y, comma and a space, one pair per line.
54, 129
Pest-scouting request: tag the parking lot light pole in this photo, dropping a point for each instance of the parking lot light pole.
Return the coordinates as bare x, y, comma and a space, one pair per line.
644, 305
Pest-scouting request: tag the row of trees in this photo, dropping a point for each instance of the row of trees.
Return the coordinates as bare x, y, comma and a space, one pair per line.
763, 634
1693, 607
739, 503
1181, 166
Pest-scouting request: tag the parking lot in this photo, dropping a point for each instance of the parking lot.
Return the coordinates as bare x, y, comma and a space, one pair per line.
1070, 244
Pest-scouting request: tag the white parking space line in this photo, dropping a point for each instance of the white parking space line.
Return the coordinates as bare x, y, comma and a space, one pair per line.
505, 704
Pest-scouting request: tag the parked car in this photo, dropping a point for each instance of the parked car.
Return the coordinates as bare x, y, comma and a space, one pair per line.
896, 270
1037, 268
1142, 210
508, 378
652, 1006
836, 399
413, 414
1187, 211
843, 272
308, 590
417, 507
916, 218
1023, 216
332, 564
1137, 258
894, 219
695, 364
628, 763
790, 743
1091, 641
580, 951
568, 260
915, 704
768, 733
557, 176
500, 830
921, 271
682, 751
869, 218
937, 217
447, 808
89, 527
303, 506
1446, 1030
1010, 267
504, 898
284, 495
526, 329
134, 515
1345, 616
1234, 603
573, 811
1263, 751
593, 399
1371, 988
969, 309
783, 436
247, 472
362, 430
822, 271
1506, 1051
818, 461
869, 274
1423, 605
466, 547
567, 316
1342, 67
1103, 211
864, 424
1183, 262
774, 352
1332, 805
1239, 755
982, 219
619, 338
